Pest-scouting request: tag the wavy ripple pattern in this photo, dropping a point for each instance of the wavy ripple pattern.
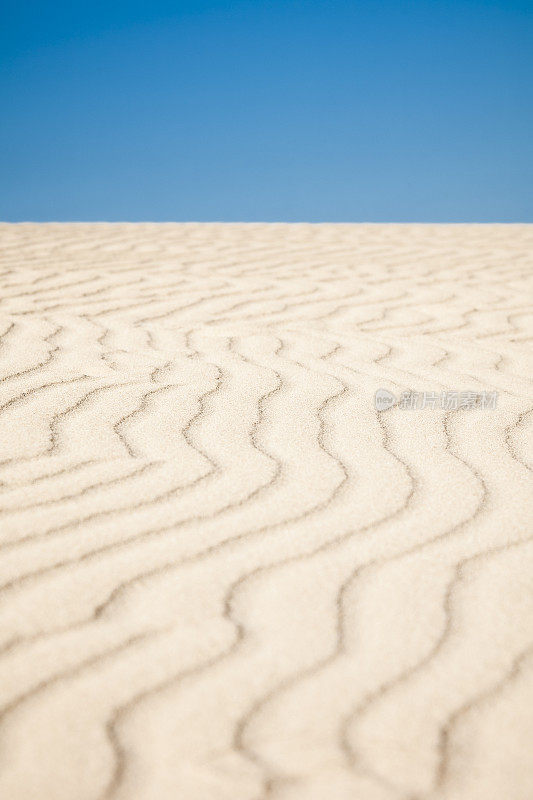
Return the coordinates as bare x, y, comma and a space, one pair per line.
223, 573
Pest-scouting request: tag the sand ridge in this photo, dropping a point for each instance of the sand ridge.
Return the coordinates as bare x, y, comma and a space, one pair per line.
224, 573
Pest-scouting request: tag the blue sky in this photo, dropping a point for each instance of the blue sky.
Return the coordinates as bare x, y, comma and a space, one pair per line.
260, 111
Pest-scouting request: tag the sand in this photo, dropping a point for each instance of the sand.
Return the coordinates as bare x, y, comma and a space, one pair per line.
225, 574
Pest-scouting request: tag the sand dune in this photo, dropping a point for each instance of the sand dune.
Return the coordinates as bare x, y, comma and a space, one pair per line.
225, 574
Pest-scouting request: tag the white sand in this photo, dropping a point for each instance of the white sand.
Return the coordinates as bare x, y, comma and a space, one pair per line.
225, 575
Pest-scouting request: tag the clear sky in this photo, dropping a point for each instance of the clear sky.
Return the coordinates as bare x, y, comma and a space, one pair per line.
291, 110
